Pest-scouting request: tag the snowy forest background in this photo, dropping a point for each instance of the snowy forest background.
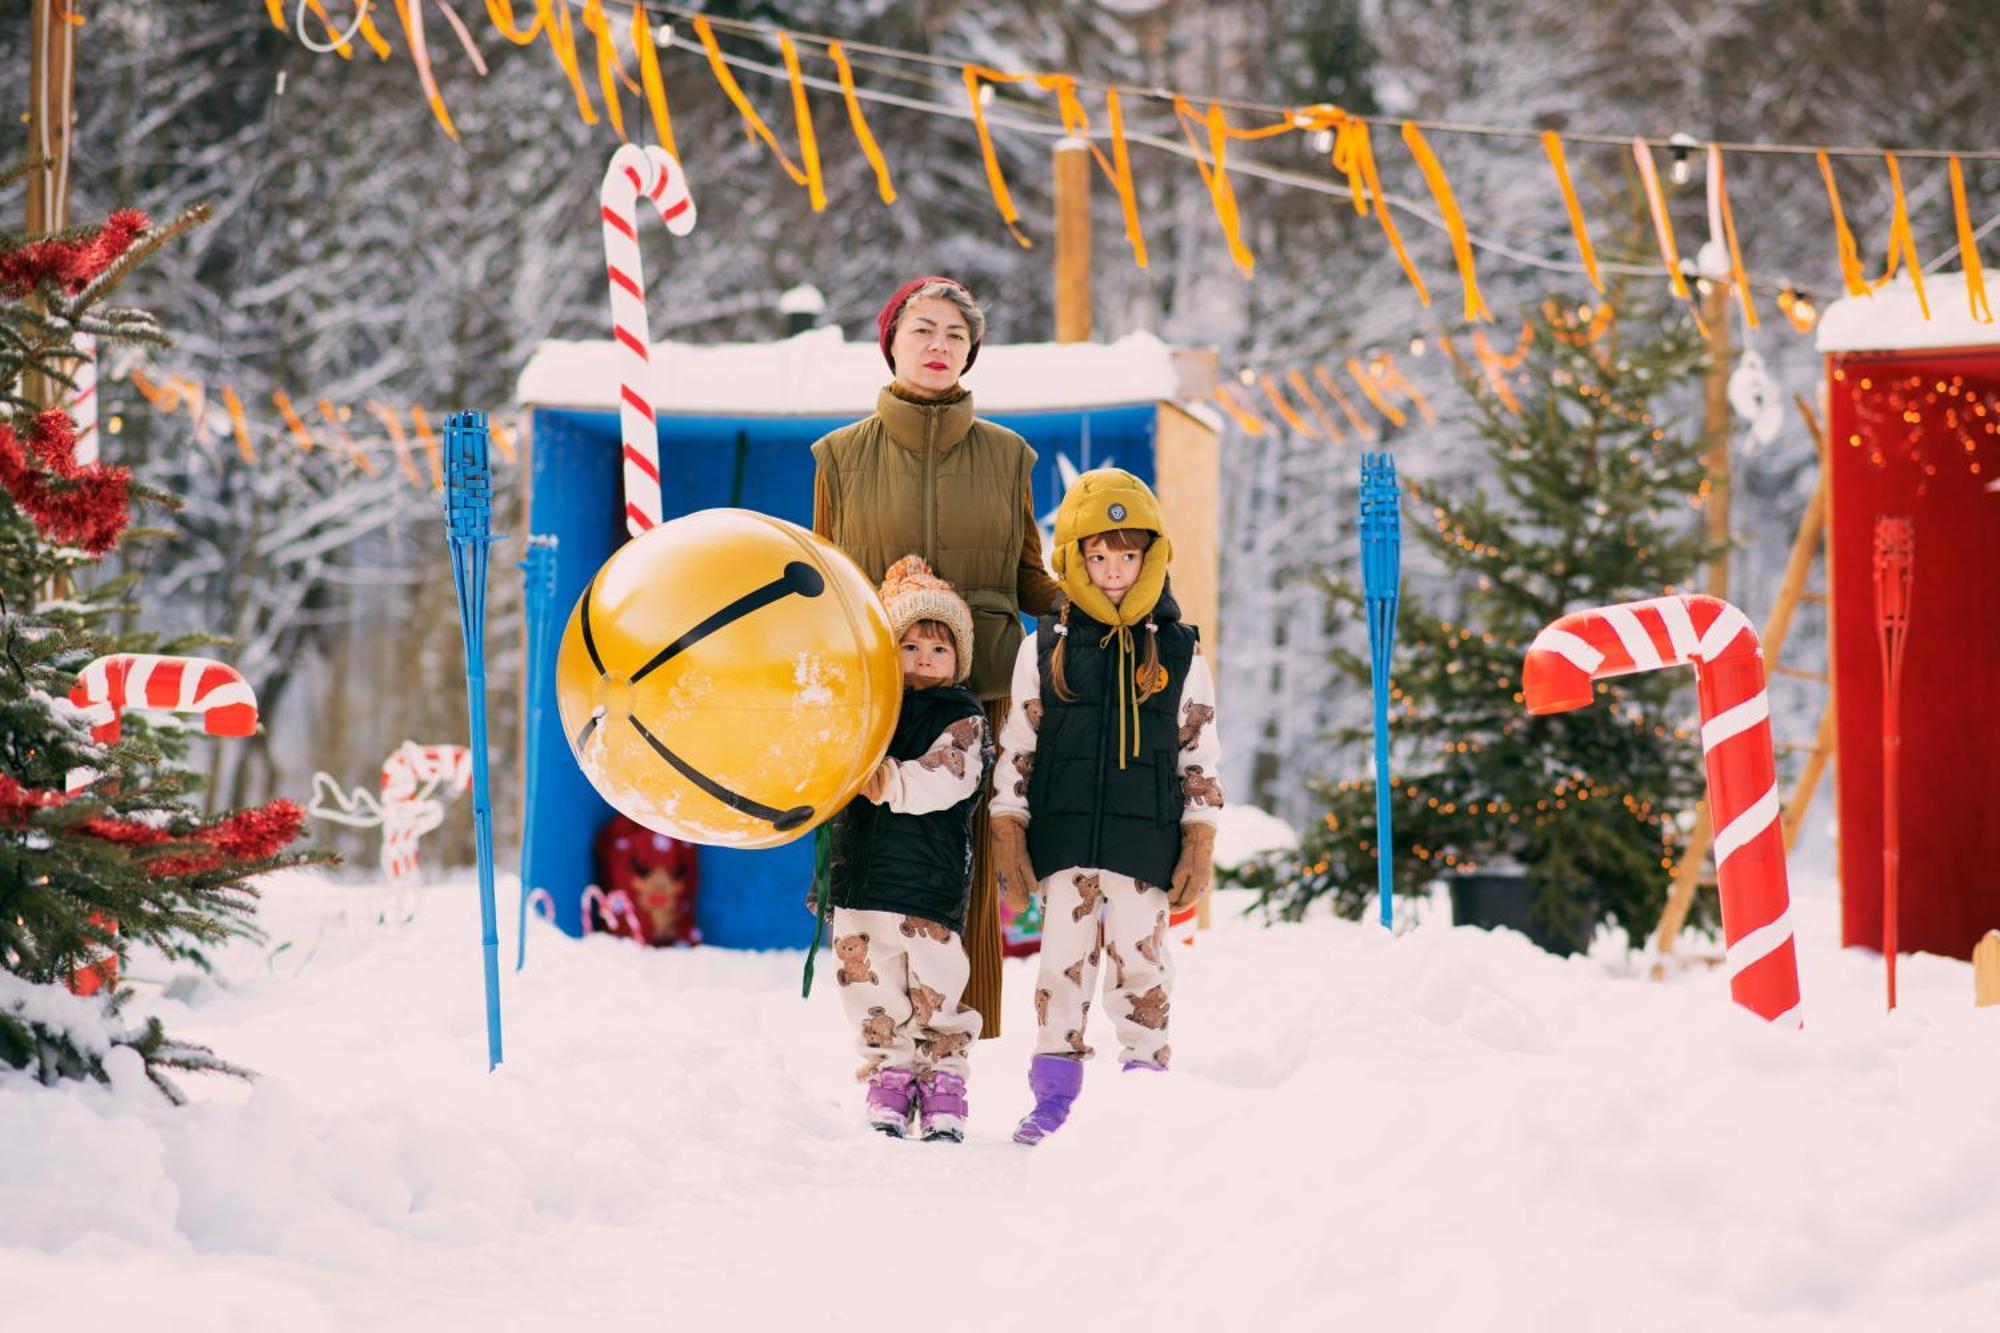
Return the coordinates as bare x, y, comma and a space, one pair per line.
358, 253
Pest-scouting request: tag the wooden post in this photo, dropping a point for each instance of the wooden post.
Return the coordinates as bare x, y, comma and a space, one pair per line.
1986, 969
1791, 591
1715, 429
1072, 164
51, 112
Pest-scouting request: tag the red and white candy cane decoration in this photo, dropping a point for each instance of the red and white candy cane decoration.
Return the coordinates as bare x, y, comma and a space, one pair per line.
122, 682
1717, 640
411, 776
113, 685
652, 174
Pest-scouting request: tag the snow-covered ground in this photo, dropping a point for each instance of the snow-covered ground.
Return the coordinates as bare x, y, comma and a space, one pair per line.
1446, 1130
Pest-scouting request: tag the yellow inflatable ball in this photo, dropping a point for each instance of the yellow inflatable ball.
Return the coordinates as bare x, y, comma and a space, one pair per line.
728, 678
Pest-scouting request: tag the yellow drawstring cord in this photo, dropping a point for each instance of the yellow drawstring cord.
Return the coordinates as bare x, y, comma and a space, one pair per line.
1128, 695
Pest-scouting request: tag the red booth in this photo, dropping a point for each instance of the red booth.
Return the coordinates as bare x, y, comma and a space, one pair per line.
1914, 430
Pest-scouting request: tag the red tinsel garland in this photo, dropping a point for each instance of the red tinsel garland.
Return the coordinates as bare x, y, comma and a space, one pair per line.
248, 835
85, 506
71, 265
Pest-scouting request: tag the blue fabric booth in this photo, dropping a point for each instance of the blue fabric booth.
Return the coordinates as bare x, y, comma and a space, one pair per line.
749, 900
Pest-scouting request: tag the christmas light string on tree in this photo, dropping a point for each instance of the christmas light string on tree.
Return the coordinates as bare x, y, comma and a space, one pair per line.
1597, 497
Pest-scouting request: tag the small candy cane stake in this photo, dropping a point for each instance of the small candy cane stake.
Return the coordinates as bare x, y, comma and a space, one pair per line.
652, 174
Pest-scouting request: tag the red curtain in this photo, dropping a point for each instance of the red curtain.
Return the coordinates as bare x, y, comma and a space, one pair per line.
1919, 435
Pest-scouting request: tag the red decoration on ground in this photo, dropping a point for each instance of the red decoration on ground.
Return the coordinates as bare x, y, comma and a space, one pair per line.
1717, 640
77, 505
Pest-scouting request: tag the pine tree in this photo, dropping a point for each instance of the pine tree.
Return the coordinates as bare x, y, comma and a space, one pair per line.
126, 859
1595, 500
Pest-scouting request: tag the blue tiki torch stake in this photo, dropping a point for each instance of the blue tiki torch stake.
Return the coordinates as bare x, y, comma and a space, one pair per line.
539, 578
468, 525
1381, 586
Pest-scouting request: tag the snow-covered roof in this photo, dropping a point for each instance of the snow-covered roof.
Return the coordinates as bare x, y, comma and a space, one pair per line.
1890, 320
820, 373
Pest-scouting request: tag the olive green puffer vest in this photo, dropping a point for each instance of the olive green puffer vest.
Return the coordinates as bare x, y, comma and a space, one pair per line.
930, 479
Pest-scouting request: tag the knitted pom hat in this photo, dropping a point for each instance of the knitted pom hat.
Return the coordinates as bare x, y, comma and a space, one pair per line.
910, 592
885, 322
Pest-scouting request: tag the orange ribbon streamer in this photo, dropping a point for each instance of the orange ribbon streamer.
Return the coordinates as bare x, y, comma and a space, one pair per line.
283, 402
1354, 156
1552, 144
1118, 167
802, 114
1362, 377
237, 425
433, 454
1362, 425
503, 440
1496, 365
650, 79
1850, 255
1454, 221
1284, 409
1903, 245
1317, 408
1215, 173
753, 124
332, 415
341, 46
1663, 226
387, 417
869, 148
420, 56
1736, 273
599, 27
1968, 249
1246, 420
995, 179
501, 14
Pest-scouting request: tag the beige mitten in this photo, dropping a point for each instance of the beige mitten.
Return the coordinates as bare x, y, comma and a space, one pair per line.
1196, 868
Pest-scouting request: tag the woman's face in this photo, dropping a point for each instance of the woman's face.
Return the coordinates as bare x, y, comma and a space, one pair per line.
931, 343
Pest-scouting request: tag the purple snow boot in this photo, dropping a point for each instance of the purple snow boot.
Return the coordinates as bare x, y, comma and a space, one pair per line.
890, 1093
942, 1097
1055, 1080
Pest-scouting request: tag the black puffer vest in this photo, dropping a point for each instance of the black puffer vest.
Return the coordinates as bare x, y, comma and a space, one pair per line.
1086, 811
919, 865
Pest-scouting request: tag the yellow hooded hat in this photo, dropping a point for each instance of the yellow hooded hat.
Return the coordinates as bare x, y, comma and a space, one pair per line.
1104, 500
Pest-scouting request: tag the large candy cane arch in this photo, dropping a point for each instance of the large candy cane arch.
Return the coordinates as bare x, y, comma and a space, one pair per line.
122, 682
652, 174
1716, 639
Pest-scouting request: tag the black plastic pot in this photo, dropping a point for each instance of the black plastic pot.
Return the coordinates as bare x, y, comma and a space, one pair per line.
1494, 901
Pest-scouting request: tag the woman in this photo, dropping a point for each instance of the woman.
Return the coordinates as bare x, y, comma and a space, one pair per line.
924, 476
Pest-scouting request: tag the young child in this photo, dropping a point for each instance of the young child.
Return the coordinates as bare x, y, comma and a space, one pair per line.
901, 870
1106, 794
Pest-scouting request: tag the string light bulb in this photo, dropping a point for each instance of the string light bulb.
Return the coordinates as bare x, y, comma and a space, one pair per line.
1682, 146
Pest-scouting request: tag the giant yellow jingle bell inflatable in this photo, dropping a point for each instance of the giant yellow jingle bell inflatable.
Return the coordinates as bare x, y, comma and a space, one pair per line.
728, 678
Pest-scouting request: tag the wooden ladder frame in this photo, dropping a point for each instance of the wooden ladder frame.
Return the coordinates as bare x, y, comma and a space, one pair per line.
1809, 541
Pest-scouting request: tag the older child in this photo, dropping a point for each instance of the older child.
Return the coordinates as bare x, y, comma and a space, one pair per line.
1106, 793
901, 871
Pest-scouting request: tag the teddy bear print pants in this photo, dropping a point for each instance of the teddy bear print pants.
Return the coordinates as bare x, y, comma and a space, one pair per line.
902, 979
1097, 920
